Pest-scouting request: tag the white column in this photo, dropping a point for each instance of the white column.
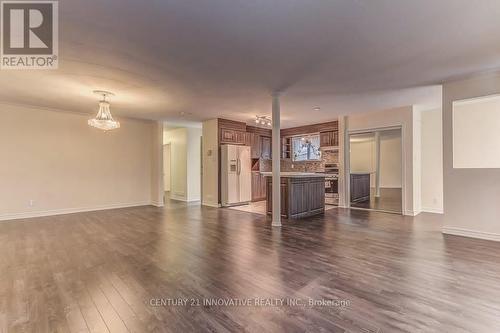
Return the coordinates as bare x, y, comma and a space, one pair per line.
276, 162
377, 164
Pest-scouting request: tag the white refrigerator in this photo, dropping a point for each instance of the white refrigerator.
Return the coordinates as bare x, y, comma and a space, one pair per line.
236, 174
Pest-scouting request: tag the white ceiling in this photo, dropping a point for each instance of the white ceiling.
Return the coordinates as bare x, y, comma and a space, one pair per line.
224, 57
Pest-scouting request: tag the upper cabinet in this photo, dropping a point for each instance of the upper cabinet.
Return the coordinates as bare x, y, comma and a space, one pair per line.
259, 142
232, 132
232, 136
329, 139
266, 150
255, 145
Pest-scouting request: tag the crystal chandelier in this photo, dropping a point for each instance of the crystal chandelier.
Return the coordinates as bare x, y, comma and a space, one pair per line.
104, 120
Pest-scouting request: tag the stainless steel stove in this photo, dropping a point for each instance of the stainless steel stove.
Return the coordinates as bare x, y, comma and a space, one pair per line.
331, 184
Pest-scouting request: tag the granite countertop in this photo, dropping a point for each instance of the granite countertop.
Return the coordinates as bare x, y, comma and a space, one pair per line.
296, 174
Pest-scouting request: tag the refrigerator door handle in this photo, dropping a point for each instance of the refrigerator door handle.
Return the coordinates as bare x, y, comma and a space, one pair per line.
238, 161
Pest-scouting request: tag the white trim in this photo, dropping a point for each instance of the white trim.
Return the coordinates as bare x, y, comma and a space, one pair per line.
411, 213
214, 205
432, 210
465, 101
471, 233
175, 198
26, 215
157, 204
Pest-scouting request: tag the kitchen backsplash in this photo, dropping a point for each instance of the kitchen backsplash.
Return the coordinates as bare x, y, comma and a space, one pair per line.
309, 166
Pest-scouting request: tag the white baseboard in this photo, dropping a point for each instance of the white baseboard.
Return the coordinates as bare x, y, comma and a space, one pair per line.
183, 199
412, 213
157, 204
433, 210
471, 233
208, 204
27, 215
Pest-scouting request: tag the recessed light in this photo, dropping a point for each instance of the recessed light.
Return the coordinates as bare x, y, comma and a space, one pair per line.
317, 108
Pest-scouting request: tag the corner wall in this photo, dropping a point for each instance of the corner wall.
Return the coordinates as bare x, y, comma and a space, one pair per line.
432, 161
210, 179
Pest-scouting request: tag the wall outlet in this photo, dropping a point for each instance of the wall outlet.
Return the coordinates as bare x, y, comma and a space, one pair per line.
32, 203
293, 166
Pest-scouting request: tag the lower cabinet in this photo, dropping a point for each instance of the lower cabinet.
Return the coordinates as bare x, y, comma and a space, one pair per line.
360, 187
258, 186
300, 197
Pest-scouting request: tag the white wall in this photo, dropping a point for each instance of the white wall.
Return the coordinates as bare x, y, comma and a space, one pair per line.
363, 158
432, 161
177, 138
390, 159
185, 163
166, 167
470, 195
63, 165
476, 133
210, 180
417, 159
194, 164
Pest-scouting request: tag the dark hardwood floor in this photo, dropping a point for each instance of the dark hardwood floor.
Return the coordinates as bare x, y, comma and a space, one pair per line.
109, 270
390, 200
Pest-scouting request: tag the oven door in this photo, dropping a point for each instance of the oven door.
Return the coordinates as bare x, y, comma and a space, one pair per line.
331, 185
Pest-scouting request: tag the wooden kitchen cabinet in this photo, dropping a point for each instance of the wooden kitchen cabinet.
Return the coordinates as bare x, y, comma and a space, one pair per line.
360, 187
255, 145
329, 139
258, 186
248, 139
231, 136
266, 150
300, 197
240, 137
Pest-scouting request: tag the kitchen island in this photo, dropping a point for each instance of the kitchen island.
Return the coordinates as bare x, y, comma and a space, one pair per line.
302, 194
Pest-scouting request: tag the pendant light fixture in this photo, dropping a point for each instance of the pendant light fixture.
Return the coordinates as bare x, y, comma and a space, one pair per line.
104, 120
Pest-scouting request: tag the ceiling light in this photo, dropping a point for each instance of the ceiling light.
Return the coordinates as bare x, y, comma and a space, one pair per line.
317, 108
263, 120
104, 120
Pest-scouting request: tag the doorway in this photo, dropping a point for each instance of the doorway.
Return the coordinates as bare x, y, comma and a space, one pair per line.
166, 170
376, 170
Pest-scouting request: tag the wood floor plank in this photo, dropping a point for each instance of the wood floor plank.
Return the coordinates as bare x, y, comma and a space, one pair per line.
102, 272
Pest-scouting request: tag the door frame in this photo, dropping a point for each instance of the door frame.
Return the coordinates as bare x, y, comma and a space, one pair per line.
347, 162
